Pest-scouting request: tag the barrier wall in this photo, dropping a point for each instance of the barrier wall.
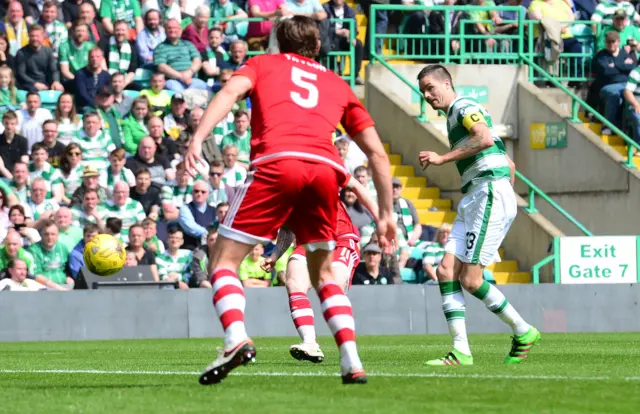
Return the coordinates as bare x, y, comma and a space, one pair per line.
379, 310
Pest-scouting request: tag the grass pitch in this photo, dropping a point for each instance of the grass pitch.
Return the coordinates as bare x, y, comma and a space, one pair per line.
585, 373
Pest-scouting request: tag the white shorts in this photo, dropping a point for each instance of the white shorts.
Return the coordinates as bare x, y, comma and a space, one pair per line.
485, 214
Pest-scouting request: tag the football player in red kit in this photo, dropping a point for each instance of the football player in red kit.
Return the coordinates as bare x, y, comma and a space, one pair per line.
293, 180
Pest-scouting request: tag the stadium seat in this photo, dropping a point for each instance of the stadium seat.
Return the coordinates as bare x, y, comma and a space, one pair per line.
49, 99
143, 76
132, 94
21, 95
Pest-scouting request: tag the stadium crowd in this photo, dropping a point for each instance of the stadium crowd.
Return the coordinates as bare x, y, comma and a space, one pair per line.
98, 99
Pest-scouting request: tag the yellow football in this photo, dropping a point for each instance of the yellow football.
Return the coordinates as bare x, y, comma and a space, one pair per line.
104, 255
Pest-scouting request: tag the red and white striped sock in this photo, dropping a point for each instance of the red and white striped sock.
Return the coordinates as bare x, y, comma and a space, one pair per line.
229, 301
337, 311
302, 316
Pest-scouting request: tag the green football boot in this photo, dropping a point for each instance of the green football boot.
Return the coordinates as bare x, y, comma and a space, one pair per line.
453, 358
521, 345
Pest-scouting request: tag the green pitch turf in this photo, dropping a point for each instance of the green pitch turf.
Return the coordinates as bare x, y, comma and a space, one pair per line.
596, 373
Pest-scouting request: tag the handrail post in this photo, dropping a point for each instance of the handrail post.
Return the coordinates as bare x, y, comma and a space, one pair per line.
371, 19
575, 108
520, 36
535, 270
629, 163
352, 53
423, 111
531, 208
447, 35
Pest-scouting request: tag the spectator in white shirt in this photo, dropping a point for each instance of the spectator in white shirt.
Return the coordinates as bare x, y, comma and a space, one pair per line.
17, 280
31, 119
234, 173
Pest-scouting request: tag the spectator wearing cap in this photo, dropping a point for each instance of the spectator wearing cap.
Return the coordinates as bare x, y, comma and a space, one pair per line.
152, 35
159, 98
611, 66
122, 56
128, 10
40, 168
74, 54
125, 208
94, 142
97, 33
109, 116
210, 149
176, 120
121, 102
90, 79
76, 258
165, 146
50, 140
179, 60
36, 66
240, 137
31, 119
605, 11
620, 24
369, 271
196, 216
13, 147
55, 31
16, 279
90, 181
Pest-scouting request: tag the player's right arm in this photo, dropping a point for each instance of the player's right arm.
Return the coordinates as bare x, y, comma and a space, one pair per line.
235, 89
285, 238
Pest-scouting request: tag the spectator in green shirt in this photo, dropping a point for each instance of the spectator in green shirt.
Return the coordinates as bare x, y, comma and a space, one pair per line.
50, 256
69, 235
240, 137
74, 54
624, 29
179, 60
127, 10
250, 272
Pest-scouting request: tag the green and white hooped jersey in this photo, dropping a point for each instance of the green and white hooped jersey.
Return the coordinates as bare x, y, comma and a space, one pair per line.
488, 165
605, 10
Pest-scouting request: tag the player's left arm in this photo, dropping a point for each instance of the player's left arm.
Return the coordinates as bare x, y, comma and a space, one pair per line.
364, 197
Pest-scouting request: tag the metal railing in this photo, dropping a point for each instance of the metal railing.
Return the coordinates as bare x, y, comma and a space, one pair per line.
336, 61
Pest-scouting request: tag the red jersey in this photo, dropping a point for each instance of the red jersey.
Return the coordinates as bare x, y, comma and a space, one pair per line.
296, 105
345, 228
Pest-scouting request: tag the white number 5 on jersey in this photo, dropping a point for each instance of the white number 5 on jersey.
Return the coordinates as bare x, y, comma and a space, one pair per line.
304, 79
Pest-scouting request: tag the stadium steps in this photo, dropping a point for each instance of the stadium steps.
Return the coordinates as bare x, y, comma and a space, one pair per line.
426, 199
612, 140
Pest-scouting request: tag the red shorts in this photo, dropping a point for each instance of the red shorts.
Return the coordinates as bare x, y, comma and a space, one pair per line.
300, 194
347, 253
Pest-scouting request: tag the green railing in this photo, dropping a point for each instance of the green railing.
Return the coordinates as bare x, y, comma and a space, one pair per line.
467, 45
576, 103
335, 61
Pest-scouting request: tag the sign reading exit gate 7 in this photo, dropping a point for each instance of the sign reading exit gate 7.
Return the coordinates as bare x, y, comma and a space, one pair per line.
598, 260
549, 135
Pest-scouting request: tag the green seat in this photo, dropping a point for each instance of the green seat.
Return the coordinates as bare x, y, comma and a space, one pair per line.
49, 98
408, 275
143, 77
21, 95
185, 22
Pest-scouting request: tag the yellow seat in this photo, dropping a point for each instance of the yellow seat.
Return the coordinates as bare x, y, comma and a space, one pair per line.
405, 170
504, 266
420, 192
413, 181
436, 218
427, 203
395, 159
504, 278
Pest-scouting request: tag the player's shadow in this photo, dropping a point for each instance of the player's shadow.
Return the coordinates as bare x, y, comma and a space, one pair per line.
90, 386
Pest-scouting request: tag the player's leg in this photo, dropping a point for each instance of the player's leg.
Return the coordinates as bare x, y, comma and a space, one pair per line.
346, 257
298, 284
314, 226
246, 224
496, 209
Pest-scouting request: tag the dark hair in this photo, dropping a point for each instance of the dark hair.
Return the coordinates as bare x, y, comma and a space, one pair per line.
215, 29
437, 71
357, 205
33, 93
141, 171
9, 115
11, 264
39, 146
223, 204
241, 113
216, 163
19, 208
360, 168
116, 74
174, 230
91, 228
65, 166
114, 224
49, 121
4, 197
47, 224
34, 27
298, 35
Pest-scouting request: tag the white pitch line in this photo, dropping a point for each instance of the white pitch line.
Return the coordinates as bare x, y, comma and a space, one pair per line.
323, 374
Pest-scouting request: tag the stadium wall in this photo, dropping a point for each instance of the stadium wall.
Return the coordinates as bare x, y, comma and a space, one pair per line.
379, 310
530, 236
585, 178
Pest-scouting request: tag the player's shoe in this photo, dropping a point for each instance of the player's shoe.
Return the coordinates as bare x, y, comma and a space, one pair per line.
521, 345
356, 377
307, 352
453, 358
242, 354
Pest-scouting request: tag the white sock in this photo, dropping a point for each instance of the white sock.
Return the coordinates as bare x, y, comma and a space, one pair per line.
497, 303
453, 305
